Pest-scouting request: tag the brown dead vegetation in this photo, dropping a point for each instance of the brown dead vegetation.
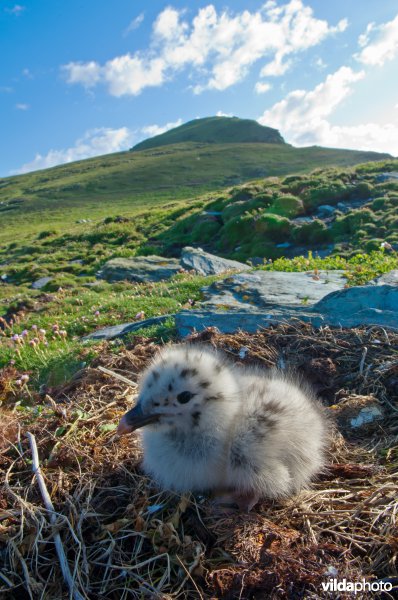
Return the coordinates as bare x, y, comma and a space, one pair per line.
124, 539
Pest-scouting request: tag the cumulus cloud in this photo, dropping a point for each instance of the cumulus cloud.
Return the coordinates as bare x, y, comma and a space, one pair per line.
303, 110
152, 130
219, 48
94, 142
379, 43
302, 117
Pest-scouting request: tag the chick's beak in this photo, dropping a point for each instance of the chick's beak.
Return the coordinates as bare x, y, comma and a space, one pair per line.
134, 419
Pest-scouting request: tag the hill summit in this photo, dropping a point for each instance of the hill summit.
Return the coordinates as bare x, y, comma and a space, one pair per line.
215, 130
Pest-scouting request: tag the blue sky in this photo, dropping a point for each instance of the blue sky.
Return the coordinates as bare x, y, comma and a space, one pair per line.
78, 79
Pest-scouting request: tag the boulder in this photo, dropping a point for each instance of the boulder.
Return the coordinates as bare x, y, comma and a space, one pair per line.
140, 269
208, 264
365, 305
272, 288
352, 307
40, 283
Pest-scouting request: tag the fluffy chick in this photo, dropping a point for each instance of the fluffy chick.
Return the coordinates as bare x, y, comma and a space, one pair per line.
212, 426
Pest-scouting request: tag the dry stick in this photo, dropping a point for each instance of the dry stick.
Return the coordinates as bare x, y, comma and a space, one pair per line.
117, 376
50, 507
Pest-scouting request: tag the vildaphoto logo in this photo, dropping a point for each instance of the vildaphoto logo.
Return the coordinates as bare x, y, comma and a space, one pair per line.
334, 585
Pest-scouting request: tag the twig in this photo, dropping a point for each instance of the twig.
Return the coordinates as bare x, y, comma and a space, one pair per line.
117, 376
362, 363
50, 507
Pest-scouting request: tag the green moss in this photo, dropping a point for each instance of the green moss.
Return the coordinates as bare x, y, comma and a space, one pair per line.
233, 210
287, 206
331, 193
205, 231
273, 227
237, 230
315, 232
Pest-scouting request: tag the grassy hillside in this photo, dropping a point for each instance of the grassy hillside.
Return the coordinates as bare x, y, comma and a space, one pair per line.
215, 130
129, 182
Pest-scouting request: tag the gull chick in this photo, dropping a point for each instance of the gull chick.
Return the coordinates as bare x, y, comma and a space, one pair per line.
212, 426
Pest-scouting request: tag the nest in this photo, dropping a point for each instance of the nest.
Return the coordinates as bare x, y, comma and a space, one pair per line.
123, 539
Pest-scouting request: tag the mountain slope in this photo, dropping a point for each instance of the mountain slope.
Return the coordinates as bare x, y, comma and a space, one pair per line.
130, 182
215, 130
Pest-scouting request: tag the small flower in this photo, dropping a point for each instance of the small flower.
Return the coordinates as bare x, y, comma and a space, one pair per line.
18, 382
32, 343
34, 327
15, 337
97, 313
63, 333
25, 378
140, 315
12, 362
55, 327
42, 331
25, 333
36, 340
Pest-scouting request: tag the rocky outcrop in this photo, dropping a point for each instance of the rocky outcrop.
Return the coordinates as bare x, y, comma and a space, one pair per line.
141, 269
156, 268
271, 289
41, 283
352, 307
205, 263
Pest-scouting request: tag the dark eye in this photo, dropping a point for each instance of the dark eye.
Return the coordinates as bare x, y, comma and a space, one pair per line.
185, 397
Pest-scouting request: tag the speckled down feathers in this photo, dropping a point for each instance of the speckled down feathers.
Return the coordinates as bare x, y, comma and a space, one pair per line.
226, 427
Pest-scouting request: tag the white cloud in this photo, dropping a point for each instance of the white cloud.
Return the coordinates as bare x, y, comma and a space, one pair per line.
302, 117
16, 10
88, 74
22, 106
262, 87
303, 110
220, 113
219, 48
134, 24
379, 43
94, 142
152, 130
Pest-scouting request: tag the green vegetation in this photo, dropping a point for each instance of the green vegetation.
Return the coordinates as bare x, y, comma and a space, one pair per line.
215, 130
65, 223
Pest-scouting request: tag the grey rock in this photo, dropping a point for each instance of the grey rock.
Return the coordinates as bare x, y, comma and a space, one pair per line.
352, 307
117, 331
302, 220
376, 301
325, 210
208, 264
40, 283
140, 269
231, 321
390, 278
386, 176
272, 288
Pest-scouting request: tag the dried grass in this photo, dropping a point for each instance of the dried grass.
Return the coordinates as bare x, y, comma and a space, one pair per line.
124, 539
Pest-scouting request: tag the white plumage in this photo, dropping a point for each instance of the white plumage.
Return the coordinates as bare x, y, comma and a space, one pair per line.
212, 426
